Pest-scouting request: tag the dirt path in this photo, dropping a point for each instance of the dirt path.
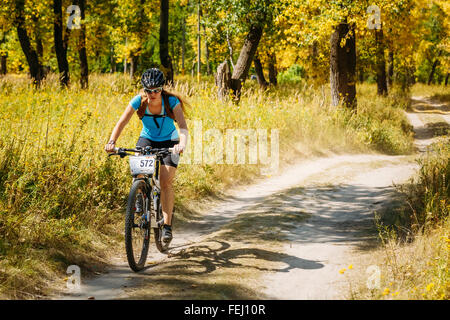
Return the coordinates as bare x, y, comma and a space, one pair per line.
285, 237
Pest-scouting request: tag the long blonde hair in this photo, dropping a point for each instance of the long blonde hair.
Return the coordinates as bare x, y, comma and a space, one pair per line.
183, 102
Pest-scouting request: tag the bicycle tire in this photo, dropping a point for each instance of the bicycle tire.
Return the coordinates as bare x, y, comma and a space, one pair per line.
133, 231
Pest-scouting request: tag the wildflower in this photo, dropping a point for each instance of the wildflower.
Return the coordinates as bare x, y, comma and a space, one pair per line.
342, 271
430, 286
386, 291
350, 267
395, 293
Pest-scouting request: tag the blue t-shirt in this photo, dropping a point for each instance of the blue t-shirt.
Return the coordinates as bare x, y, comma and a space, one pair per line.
166, 130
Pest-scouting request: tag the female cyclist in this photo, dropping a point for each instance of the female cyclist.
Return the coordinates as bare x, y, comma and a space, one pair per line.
157, 108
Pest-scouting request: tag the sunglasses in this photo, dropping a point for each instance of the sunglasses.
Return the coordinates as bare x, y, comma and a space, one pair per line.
157, 90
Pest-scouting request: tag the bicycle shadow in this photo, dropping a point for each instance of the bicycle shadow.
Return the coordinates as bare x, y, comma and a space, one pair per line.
211, 258
192, 267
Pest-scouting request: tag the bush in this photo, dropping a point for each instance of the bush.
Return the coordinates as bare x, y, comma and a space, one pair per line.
429, 196
294, 74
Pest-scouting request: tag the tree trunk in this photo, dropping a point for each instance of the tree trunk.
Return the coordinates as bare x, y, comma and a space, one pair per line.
30, 53
244, 62
84, 69
60, 43
446, 78
199, 46
39, 46
208, 69
3, 57
112, 62
133, 65
3, 69
223, 80
361, 76
381, 63
174, 58
273, 69
194, 64
259, 73
343, 66
433, 69
390, 78
125, 62
314, 53
183, 47
230, 49
164, 56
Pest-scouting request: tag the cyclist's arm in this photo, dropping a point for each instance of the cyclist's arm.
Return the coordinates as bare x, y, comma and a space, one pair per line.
181, 121
124, 119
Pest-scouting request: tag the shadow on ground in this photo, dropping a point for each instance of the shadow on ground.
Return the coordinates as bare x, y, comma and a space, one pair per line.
337, 214
249, 246
431, 130
439, 104
215, 270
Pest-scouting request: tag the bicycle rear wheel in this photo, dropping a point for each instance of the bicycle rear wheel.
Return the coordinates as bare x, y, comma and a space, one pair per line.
137, 230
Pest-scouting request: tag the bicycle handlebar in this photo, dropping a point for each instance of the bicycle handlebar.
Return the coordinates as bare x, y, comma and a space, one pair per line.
123, 152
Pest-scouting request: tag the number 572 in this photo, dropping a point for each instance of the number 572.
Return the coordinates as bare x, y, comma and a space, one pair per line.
146, 163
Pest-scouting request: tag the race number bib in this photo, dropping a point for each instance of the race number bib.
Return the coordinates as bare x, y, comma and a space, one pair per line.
142, 165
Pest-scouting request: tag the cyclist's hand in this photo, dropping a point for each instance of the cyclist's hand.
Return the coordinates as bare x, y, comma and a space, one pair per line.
178, 148
110, 146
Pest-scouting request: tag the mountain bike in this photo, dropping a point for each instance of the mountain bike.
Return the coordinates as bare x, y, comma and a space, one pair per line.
144, 211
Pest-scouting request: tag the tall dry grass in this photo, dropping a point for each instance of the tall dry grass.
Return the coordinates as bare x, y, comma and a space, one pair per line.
414, 252
61, 197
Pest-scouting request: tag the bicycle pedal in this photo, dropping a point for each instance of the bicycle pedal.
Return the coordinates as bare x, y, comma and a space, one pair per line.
160, 223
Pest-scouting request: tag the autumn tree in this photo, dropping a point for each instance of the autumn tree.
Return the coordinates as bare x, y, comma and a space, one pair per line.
431, 47
251, 16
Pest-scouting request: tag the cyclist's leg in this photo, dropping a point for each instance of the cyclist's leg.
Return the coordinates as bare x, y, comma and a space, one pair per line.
167, 174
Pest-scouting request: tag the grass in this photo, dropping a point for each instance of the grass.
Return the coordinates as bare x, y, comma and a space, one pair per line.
414, 254
62, 198
438, 92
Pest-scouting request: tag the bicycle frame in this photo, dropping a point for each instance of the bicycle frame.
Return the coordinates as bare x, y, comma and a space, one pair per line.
153, 189
145, 184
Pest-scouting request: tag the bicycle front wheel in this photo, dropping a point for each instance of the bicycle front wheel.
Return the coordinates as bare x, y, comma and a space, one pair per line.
137, 229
